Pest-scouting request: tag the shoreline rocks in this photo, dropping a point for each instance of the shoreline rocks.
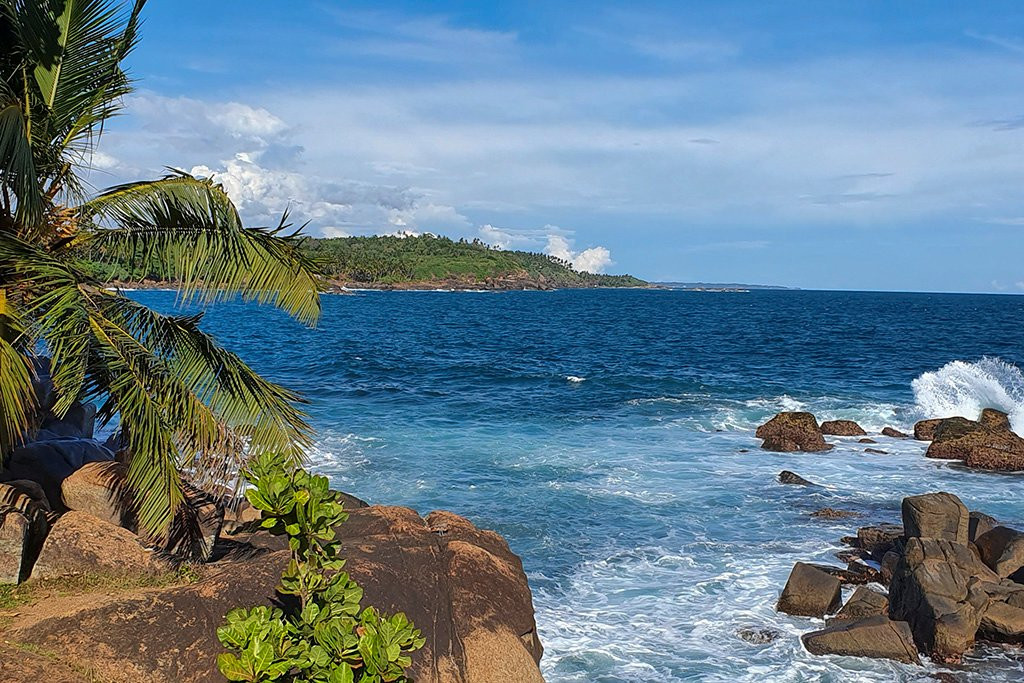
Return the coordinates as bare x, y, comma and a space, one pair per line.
793, 431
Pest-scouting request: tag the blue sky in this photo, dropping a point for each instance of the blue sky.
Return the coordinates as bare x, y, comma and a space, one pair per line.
863, 145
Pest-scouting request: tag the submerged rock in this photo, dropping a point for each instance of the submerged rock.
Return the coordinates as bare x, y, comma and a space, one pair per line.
832, 513
810, 592
842, 428
759, 636
792, 431
877, 637
787, 477
875, 451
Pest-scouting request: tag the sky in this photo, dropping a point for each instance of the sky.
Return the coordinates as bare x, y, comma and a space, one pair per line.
833, 145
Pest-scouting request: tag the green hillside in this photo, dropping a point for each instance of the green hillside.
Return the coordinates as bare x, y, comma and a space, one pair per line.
424, 261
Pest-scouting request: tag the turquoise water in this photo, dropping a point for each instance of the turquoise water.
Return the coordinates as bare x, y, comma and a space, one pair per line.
603, 433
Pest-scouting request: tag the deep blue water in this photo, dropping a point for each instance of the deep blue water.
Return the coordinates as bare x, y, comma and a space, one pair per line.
601, 432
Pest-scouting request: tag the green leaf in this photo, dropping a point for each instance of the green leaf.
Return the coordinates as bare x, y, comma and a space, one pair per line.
232, 669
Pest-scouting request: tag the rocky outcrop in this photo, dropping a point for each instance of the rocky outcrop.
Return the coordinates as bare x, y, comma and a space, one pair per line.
810, 592
893, 433
877, 637
792, 431
82, 545
936, 515
977, 445
460, 585
842, 428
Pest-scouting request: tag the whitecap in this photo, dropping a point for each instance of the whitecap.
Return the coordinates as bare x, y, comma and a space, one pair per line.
963, 388
575, 379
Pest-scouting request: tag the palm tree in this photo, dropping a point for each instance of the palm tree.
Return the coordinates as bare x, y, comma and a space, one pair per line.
184, 403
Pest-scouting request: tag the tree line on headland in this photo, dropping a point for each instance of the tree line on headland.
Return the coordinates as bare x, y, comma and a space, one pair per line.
393, 261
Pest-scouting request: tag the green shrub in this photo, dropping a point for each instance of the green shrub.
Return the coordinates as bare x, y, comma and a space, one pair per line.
326, 636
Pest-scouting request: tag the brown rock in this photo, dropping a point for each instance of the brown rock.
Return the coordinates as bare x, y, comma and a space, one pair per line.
1003, 622
854, 574
935, 588
80, 544
787, 432
876, 637
98, 489
866, 440
842, 428
879, 539
1002, 550
810, 592
936, 515
888, 566
979, 524
863, 604
893, 433
978, 446
995, 420
832, 513
787, 477
925, 429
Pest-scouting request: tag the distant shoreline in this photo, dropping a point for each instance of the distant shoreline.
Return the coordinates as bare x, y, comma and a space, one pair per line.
345, 287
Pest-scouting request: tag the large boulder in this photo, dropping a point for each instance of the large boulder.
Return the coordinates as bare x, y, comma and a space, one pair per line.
98, 488
936, 588
979, 446
1002, 550
49, 463
842, 428
1003, 622
82, 545
925, 429
810, 592
936, 515
877, 637
863, 604
23, 527
788, 432
460, 585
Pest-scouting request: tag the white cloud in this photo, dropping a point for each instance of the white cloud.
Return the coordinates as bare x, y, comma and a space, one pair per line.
592, 260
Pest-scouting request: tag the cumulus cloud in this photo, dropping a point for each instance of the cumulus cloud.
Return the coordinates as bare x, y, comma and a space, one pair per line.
592, 260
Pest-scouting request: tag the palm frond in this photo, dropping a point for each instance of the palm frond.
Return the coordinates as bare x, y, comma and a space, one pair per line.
17, 164
17, 396
187, 230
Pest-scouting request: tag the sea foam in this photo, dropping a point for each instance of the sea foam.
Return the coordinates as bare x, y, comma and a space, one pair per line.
964, 388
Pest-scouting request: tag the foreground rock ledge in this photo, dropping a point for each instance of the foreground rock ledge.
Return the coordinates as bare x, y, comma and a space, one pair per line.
462, 587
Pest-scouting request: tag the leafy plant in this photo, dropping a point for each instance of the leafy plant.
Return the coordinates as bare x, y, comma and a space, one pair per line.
184, 403
325, 636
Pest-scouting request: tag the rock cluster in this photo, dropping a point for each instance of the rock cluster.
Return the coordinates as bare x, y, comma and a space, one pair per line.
953, 577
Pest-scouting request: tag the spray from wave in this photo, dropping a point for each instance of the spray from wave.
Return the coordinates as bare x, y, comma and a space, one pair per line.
963, 388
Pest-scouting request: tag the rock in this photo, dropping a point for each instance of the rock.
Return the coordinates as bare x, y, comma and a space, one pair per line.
855, 574
893, 433
787, 477
463, 588
31, 489
936, 589
876, 451
1003, 622
995, 420
936, 515
98, 489
978, 446
1002, 550
863, 604
866, 440
888, 566
925, 429
49, 463
832, 513
79, 422
787, 432
852, 555
80, 544
842, 428
978, 524
23, 527
879, 539
877, 637
759, 636
810, 592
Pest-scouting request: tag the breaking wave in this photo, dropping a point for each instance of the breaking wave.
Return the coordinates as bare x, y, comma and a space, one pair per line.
965, 388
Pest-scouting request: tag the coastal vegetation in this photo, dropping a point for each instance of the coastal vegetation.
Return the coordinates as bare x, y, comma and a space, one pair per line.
392, 261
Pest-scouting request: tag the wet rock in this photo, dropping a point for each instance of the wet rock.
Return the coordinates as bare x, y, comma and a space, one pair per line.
787, 477
977, 445
879, 539
1002, 550
936, 589
925, 429
876, 637
893, 433
80, 544
936, 515
979, 524
759, 636
995, 420
852, 555
854, 574
876, 451
792, 431
866, 440
863, 604
842, 428
810, 592
832, 513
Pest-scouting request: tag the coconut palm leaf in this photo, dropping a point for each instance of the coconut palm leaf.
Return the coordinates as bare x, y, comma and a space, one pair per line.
17, 164
188, 231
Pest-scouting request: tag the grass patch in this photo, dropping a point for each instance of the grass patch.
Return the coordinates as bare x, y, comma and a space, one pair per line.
33, 591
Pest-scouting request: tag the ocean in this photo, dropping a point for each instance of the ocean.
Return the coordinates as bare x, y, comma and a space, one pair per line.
609, 436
